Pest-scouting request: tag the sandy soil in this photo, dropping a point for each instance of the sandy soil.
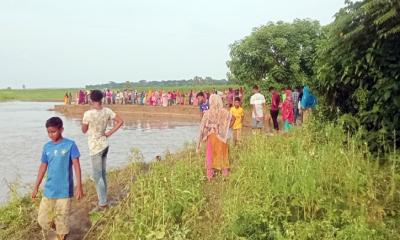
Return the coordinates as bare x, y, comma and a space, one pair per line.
132, 113
137, 112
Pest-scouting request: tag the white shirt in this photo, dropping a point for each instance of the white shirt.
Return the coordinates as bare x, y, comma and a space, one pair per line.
257, 100
97, 121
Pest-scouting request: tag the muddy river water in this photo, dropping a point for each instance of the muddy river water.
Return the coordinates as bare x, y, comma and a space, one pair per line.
22, 136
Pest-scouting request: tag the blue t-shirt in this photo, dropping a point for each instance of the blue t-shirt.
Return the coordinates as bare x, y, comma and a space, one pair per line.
58, 157
203, 107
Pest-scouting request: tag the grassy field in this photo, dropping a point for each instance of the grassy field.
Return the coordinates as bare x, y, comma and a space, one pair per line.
313, 183
34, 94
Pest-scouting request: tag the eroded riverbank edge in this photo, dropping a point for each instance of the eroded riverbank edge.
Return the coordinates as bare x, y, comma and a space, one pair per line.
133, 113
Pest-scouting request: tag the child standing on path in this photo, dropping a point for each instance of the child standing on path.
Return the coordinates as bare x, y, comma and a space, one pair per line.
95, 123
238, 112
58, 157
257, 102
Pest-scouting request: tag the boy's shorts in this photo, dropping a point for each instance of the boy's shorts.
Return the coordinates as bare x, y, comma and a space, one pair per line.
258, 124
55, 211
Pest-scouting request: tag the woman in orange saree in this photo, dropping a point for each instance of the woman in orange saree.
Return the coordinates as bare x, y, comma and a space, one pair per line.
214, 131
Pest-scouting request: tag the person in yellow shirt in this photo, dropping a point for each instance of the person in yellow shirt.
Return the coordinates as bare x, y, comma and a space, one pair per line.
238, 112
66, 99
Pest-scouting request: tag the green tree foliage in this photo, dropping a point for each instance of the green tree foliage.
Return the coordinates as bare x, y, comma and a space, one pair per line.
279, 52
358, 68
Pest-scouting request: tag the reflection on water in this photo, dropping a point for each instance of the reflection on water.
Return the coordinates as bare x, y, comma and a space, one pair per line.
23, 135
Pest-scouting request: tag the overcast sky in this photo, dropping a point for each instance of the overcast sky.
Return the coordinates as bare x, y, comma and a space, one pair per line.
48, 43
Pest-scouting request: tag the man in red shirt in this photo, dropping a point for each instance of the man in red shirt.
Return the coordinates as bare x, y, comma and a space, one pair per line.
274, 110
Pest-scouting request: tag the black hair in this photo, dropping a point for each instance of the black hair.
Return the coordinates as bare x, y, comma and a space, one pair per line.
237, 99
200, 94
270, 89
54, 122
255, 87
96, 96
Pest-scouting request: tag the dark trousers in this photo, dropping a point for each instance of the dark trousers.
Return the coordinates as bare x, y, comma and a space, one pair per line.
274, 115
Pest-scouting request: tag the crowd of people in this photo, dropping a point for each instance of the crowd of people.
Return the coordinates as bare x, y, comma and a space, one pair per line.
219, 123
152, 97
293, 105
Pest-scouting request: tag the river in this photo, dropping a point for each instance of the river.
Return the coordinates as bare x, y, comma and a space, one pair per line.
23, 135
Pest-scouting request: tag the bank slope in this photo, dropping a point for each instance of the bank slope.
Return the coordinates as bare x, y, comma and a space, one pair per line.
313, 183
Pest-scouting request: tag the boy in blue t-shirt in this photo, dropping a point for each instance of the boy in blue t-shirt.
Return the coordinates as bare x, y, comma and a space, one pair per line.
58, 157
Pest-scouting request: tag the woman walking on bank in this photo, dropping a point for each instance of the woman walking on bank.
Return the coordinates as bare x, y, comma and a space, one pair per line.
288, 111
214, 129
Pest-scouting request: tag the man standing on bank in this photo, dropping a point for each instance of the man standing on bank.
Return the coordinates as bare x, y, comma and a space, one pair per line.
95, 123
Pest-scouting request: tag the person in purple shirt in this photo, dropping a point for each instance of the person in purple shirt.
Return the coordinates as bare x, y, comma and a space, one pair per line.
203, 104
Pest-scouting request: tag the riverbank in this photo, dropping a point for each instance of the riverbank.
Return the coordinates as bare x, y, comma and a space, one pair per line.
133, 113
313, 183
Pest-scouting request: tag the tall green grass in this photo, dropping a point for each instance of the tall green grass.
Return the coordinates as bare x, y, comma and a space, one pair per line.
163, 202
313, 183
17, 219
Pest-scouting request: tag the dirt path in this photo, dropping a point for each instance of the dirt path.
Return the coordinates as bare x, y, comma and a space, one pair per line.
212, 218
80, 222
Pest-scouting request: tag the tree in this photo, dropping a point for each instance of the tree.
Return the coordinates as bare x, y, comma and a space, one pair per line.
275, 53
358, 69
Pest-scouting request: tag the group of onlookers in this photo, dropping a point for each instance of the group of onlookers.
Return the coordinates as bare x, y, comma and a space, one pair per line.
294, 106
218, 122
153, 97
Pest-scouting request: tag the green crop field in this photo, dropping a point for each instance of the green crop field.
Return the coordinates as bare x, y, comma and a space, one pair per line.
34, 94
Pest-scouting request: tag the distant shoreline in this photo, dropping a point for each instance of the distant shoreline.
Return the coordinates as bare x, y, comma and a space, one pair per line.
34, 95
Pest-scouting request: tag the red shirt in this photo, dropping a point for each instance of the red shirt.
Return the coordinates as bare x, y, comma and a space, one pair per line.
276, 99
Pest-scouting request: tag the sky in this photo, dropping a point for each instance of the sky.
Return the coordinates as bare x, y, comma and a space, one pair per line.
49, 44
